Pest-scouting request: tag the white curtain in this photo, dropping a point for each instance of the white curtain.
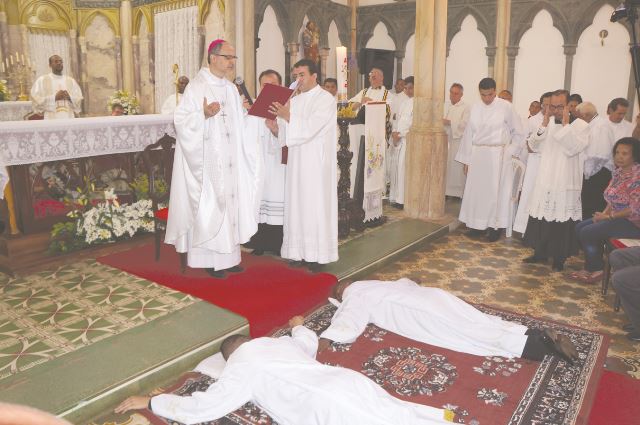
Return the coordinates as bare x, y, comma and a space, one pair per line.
176, 41
42, 45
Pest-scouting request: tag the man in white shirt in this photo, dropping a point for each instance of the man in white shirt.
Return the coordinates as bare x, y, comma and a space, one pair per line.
310, 232
493, 136
331, 85
555, 207
434, 316
534, 108
282, 376
455, 121
55, 95
404, 120
617, 110
172, 101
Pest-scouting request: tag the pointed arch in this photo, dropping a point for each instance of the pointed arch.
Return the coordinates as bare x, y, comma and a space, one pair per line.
525, 23
455, 24
88, 18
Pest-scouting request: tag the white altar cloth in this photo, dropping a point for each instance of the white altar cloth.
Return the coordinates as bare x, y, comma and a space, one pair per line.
29, 142
15, 110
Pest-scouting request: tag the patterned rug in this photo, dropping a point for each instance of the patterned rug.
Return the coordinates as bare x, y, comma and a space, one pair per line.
479, 390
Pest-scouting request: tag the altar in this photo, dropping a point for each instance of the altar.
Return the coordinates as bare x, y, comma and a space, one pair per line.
14, 110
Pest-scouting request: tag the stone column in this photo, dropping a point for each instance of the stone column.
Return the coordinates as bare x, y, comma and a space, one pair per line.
73, 54
202, 45
249, 48
126, 24
569, 52
399, 59
502, 41
491, 55
230, 22
152, 69
352, 84
512, 52
292, 49
4, 36
631, 93
84, 77
324, 55
287, 65
136, 67
426, 155
118, 52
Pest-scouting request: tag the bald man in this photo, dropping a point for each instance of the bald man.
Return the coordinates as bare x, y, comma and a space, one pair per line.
172, 101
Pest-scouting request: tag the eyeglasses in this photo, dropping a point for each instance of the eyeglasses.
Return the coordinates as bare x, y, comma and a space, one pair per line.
556, 107
227, 57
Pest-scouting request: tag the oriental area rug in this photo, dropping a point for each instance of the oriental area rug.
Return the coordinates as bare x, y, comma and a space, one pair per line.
268, 293
478, 390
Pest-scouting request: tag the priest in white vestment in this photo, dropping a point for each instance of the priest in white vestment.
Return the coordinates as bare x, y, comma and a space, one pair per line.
170, 103
531, 172
216, 170
555, 207
391, 154
55, 95
271, 216
493, 136
455, 120
598, 160
429, 315
617, 110
310, 232
399, 143
281, 376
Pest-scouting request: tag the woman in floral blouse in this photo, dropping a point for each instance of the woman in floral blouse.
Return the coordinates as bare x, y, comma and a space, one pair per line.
618, 220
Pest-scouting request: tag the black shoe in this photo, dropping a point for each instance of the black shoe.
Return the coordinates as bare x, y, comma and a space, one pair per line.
533, 259
558, 265
629, 327
314, 267
473, 233
634, 336
234, 269
398, 206
218, 274
257, 252
296, 264
493, 235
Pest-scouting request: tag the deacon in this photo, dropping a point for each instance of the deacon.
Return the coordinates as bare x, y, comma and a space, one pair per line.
399, 143
434, 316
598, 160
271, 218
311, 198
55, 95
455, 121
172, 101
555, 207
493, 135
531, 172
617, 109
281, 376
216, 170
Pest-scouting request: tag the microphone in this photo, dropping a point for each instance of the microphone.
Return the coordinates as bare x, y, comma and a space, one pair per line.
239, 82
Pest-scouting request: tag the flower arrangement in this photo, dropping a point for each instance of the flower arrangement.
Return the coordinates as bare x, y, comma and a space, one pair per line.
107, 221
128, 102
4, 91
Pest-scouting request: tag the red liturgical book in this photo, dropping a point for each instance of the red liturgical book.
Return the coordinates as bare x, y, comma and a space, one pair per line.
270, 93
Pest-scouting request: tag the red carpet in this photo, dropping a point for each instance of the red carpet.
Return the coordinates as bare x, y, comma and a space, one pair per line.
616, 401
268, 293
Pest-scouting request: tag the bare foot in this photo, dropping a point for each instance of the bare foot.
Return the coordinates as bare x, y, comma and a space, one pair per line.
562, 345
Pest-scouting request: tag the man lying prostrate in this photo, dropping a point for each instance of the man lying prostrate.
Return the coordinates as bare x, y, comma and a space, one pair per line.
281, 376
436, 317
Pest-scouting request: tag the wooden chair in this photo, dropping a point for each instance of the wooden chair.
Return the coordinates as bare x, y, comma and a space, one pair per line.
158, 162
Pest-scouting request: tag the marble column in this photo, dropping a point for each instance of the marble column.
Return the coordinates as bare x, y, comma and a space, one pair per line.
4, 36
491, 55
502, 40
152, 69
126, 24
118, 52
569, 52
74, 60
324, 55
512, 53
135, 40
84, 76
399, 59
287, 65
352, 84
202, 44
631, 93
292, 49
249, 46
426, 154
230, 22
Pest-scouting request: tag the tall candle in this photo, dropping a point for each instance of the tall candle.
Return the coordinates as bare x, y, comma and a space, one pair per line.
341, 72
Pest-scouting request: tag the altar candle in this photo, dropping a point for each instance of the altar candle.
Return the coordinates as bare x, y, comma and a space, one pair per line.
341, 71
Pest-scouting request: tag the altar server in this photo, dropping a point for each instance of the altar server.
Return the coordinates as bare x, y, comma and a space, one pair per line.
216, 170
436, 317
455, 121
403, 123
310, 232
281, 376
55, 95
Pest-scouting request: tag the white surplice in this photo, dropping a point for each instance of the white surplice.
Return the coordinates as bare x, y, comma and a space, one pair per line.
169, 105
458, 114
599, 151
217, 176
391, 155
493, 135
310, 231
375, 94
556, 195
429, 315
530, 176
397, 173
272, 199
43, 96
281, 376
621, 129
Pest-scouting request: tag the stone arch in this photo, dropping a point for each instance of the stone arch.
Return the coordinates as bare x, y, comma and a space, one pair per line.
37, 14
140, 15
203, 11
82, 28
281, 17
526, 21
586, 19
368, 28
455, 25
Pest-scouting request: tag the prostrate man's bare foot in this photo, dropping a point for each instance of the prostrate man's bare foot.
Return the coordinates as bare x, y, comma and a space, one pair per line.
562, 345
323, 344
